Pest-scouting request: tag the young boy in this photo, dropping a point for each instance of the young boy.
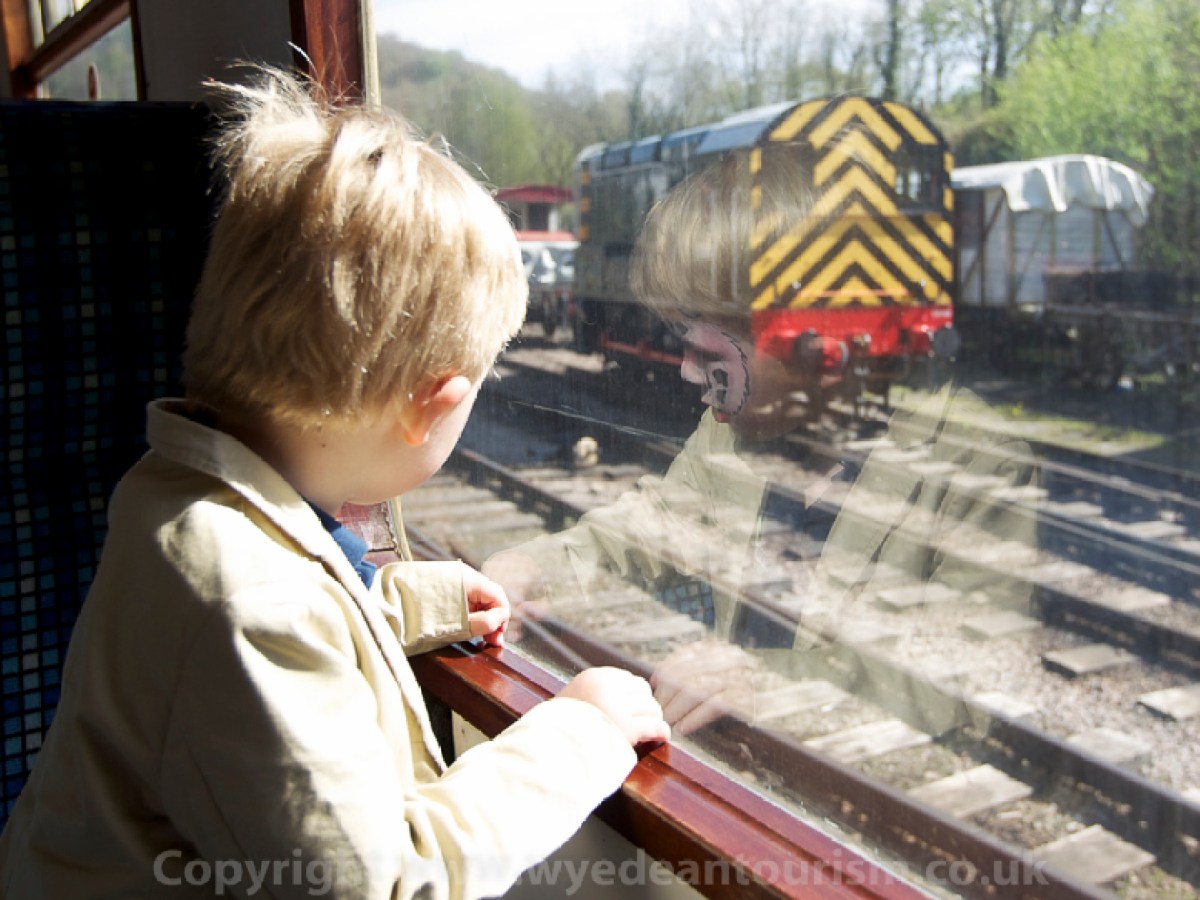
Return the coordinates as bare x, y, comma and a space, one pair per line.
237, 712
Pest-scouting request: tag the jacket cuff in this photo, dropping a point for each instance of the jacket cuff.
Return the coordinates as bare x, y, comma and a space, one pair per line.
426, 602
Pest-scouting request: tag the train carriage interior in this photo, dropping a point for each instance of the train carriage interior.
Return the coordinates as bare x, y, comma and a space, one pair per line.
861, 426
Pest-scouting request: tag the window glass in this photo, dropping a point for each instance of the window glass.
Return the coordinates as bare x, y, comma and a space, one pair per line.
103, 71
46, 15
865, 391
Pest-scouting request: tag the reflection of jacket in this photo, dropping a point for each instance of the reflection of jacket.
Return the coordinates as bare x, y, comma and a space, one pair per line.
234, 697
930, 503
941, 511
700, 517
896, 520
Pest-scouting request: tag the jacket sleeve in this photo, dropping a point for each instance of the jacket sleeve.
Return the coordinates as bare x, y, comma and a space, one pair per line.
425, 603
934, 519
276, 754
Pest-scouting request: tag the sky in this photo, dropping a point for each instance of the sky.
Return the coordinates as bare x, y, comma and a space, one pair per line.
527, 37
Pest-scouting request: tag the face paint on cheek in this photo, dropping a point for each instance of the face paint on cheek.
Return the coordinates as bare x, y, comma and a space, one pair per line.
723, 368
720, 389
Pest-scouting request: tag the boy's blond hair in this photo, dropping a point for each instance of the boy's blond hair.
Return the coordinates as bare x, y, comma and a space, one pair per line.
351, 262
698, 242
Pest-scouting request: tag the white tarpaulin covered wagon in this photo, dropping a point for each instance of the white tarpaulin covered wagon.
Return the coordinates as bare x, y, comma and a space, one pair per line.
1047, 271
1020, 222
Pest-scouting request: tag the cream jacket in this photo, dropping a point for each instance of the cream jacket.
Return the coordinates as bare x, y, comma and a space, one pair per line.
238, 716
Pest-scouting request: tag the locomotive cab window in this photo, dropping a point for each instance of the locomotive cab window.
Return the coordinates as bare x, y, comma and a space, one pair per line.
920, 179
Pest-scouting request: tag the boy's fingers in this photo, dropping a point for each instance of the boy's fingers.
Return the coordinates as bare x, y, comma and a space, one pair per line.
655, 730
482, 601
486, 621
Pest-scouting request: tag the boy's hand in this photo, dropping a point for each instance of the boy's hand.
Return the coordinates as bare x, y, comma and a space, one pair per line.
488, 609
623, 697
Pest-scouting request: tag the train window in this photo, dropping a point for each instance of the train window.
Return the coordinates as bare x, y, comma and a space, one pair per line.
917, 182
880, 472
864, 429
70, 49
50, 13
103, 71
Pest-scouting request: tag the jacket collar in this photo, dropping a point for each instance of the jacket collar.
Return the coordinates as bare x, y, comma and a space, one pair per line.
185, 432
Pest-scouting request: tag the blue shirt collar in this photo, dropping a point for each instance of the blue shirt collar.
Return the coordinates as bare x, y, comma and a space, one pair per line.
352, 545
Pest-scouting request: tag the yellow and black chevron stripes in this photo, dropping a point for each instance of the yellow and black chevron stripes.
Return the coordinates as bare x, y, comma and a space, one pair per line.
864, 244
798, 120
858, 259
819, 121
855, 148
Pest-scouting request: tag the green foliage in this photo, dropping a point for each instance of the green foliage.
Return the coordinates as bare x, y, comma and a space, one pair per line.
1078, 93
504, 133
483, 114
1119, 82
980, 139
1128, 91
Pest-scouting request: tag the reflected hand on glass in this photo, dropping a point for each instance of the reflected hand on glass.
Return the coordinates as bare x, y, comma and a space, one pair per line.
702, 682
521, 578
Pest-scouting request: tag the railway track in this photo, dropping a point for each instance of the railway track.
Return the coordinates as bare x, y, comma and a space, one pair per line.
1133, 520
997, 771
1055, 785
1092, 505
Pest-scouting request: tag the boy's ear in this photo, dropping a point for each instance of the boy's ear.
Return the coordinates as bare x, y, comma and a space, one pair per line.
428, 405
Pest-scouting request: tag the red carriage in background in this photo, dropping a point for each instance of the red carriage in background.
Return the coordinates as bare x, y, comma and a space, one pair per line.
547, 249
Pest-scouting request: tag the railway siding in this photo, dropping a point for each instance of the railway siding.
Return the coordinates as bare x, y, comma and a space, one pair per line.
979, 681
621, 620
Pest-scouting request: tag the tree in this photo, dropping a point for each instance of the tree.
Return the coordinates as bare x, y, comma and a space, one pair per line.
843, 59
568, 116
483, 114
789, 60
889, 56
747, 25
1127, 90
941, 28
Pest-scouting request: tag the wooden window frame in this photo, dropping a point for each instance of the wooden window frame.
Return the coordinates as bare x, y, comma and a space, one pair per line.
328, 35
29, 66
677, 808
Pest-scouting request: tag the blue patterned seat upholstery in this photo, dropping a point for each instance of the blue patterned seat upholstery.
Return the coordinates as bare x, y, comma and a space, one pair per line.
104, 220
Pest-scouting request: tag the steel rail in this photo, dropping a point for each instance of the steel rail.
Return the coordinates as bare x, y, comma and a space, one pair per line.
1161, 815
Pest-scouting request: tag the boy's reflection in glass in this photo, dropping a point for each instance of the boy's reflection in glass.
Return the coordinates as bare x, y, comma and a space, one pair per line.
692, 537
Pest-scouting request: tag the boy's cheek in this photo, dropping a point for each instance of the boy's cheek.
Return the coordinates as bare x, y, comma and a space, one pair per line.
723, 369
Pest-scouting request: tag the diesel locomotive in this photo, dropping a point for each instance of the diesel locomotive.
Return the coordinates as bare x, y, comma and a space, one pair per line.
860, 295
